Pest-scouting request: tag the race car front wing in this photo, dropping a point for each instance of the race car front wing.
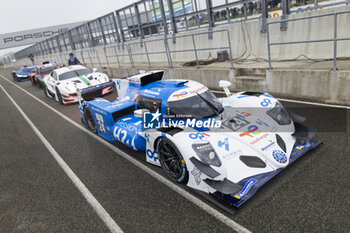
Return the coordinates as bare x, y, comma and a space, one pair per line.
250, 185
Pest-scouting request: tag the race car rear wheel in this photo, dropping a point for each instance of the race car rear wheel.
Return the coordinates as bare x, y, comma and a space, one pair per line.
172, 162
90, 121
59, 96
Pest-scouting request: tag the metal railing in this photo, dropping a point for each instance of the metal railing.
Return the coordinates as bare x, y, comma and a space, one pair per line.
142, 50
335, 38
150, 18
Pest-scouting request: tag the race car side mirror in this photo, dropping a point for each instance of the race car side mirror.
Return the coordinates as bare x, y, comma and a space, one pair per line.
94, 69
224, 84
140, 112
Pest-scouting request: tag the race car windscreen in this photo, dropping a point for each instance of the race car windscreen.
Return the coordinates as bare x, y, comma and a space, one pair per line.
73, 74
152, 104
47, 70
83, 72
199, 106
27, 69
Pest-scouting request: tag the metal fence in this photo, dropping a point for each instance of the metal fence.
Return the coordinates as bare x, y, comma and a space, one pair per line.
113, 55
151, 18
335, 38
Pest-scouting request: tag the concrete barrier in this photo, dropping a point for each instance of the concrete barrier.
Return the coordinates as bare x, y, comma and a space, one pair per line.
316, 85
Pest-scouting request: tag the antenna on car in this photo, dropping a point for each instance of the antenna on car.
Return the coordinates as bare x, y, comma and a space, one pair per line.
181, 83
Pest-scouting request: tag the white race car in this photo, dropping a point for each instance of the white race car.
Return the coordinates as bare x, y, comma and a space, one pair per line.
227, 147
63, 84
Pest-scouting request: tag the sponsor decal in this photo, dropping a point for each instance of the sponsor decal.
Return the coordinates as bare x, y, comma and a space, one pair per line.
118, 84
259, 139
232, 154
153, 155
246, 188
268, 146
198, 90
187, 93
260, 122
197, 175
279, 156
181, 95
300, 147
236, 123
121, 135
33, 36
199, 136
151, 92
252, 131
225, 143
147, 137
243, 115
266, 102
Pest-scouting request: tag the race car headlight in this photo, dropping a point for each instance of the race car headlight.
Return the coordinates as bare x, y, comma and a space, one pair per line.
21, 75
279, 114
206, 153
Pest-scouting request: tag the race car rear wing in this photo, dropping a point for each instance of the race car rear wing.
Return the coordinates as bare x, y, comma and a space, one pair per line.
89, 93
137, 80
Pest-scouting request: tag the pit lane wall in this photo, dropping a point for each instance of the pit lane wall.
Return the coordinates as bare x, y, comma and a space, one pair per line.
323, 86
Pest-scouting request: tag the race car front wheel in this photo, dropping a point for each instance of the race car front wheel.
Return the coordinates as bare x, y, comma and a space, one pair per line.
172, 162
90, 121
59, 96
45, 92
32, 80
15, 78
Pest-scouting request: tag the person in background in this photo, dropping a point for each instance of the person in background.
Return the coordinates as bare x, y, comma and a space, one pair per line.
31, 57
72, 60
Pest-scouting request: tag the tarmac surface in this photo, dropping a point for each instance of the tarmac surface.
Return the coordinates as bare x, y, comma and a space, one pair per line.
36, 195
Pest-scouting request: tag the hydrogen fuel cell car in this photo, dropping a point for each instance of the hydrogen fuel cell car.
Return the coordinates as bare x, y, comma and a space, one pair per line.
226, 147
63, 84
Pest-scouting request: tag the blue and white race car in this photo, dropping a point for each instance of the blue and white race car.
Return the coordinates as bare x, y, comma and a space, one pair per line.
23, 74
227, 147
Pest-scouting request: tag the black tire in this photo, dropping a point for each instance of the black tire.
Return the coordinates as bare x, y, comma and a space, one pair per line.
172, 162
45, 92
59, 96
83, 122
15, 78
39, 85
90, 121
32, 80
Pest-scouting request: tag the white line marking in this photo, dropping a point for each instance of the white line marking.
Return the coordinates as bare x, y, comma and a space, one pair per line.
302, 102
210, 210
101, 212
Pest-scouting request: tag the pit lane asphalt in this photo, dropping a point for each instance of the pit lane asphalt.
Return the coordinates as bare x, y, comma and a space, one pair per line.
312, 195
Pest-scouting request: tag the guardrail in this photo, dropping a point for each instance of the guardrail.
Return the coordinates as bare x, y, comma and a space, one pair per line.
335, 38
